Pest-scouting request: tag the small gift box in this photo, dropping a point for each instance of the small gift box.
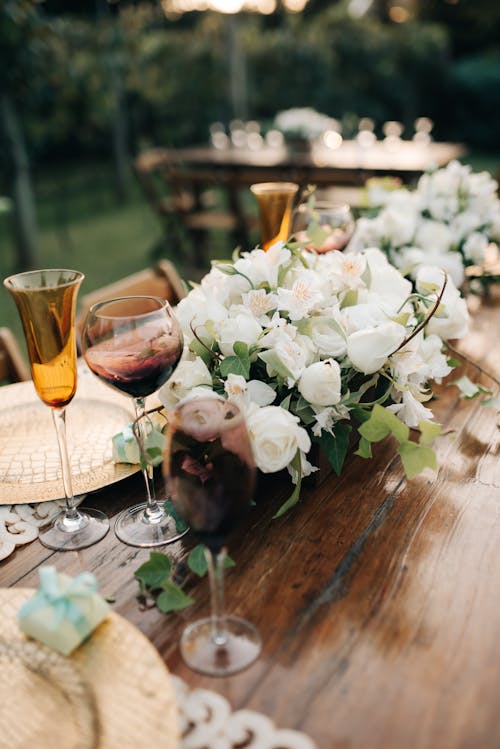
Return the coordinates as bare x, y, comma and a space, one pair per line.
64, 611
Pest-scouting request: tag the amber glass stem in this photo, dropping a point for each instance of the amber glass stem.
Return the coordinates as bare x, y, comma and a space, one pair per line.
72, 519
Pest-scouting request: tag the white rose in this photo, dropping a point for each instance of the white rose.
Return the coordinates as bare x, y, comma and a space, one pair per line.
452, 319
263, 267
385, 280
368, 349
276, 436
327, 336
240, 328
188, 374
434, 236
398, 225
320, 383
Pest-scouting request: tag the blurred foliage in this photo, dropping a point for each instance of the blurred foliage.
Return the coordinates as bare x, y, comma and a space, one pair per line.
63, 71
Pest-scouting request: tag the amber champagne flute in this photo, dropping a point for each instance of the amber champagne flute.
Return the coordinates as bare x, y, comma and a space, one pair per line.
46, 300
211, 476
133, 344
275, 200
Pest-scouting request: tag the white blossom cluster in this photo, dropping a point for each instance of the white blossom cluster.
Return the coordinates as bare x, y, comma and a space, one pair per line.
319, 331
447, 221
303, 122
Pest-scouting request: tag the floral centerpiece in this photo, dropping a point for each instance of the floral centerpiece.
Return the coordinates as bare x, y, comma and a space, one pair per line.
449, 221
303, 123
313, 345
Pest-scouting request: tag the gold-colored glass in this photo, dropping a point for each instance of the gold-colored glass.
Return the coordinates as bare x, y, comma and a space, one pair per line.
46, 300
275, 201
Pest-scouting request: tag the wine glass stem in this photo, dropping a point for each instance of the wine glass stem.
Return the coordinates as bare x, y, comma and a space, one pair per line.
153, 510
215, 564
72, 518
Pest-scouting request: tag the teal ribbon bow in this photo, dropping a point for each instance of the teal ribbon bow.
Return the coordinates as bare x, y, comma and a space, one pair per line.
60, 597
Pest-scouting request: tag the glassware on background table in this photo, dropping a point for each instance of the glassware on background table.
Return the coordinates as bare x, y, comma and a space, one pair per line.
133, 344
323, 226
46, 300
211, 477
275, 201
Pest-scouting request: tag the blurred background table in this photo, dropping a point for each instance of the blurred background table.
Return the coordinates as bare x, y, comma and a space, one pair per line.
377, 598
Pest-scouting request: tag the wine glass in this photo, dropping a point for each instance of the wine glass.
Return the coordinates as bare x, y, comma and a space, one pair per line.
323, 226
133, 344
46, 300
211, 477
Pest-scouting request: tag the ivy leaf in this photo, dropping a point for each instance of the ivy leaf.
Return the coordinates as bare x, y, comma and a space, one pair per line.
428, 432
172, 598
171, 509
364, 448
469, 389
197, 347
197, 562
416, 457
381, 423
295, 495
335, 445
453, 363
155, 572
238, 364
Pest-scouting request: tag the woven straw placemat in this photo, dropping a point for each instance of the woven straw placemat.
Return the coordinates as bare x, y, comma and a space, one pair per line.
113, 692
30, 469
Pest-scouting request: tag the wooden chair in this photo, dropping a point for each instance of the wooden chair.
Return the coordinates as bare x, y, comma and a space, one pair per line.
187, 196
12, 365
162, 280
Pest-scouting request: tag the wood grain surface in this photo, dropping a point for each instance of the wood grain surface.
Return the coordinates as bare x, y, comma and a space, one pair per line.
377, 598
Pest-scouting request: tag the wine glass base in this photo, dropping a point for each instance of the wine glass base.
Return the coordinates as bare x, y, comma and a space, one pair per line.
134, 529
95, 528
199, 651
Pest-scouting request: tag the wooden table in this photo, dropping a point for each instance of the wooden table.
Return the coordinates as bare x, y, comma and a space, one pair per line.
377, 598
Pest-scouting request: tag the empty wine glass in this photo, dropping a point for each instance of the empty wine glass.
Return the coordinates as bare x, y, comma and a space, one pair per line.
133, 344
46, 300
323, 226
211, 476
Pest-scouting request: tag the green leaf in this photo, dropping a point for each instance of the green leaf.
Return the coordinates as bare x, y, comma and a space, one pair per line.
453, 363
155, 572
295, 495
428, 432
171, 509
364, 448
335, 445
172, 598
416, 457
238, 364
197, 562
381, 423
469, 389
197, 347
350, 299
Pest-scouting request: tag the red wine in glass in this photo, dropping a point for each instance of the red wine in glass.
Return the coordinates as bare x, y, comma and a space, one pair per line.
211, 478
133, 344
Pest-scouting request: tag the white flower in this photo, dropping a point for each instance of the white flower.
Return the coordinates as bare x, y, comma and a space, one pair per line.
242, 327
259, 302
411, 411
196, 310
188, 374
276, 436
320, 383
385, 280
452, 318
368, 349
327, 336
475, 246
434, 236
398, 226
263, 267
345, 271
253, 391
303, 296
368, 233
